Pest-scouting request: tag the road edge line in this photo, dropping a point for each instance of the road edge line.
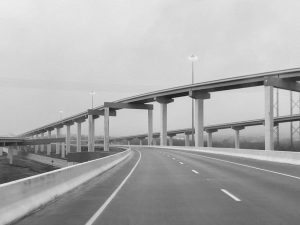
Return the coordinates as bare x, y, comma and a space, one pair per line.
111, 197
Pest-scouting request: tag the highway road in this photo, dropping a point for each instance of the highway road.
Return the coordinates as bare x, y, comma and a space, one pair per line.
169, 187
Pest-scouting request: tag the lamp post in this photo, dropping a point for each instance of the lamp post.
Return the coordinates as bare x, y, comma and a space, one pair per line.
60, 114
193, 58
92, 93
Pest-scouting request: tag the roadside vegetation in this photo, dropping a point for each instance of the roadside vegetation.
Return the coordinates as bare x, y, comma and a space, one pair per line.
21, 168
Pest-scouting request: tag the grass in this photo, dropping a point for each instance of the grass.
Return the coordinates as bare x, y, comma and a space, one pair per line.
21, 168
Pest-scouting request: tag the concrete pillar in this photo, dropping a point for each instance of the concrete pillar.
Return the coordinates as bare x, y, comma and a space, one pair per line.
49, 145
163, 118
128, 142
91, 135
78, 139
209, 139
106, 129
36, 147
171, 140
68, 139
163, 123
141, 141
150, 126
187, 139
42, 146
1, 151
154, 141
63, 150
10, 155
58, 145
237, 135
237, 139
199, 123
209, 136
199, 97
269, 118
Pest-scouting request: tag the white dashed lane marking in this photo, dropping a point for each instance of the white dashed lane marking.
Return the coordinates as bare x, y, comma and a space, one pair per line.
194, 171
231, 195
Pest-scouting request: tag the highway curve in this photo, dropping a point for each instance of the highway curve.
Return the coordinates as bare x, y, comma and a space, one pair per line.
171, 187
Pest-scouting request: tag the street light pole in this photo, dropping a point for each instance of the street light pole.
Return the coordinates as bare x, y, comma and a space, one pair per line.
60, 114
193, 58
92, 93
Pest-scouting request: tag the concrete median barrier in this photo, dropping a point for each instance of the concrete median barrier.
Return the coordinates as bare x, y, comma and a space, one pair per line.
20, 197
60, 163
272, 156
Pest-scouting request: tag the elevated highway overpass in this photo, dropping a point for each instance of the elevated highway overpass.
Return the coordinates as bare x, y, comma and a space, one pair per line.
163, 185
283, 79
236, 126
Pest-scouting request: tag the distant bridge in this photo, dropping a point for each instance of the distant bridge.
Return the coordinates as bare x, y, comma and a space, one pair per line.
236, 126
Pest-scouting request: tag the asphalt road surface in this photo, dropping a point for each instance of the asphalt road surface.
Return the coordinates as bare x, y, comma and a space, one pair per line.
159, 187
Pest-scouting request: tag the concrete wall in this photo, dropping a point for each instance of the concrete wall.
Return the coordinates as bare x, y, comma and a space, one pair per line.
273, 156
20, 197
60, 163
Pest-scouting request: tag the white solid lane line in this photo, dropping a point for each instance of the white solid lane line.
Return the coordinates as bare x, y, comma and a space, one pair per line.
181, 163
231, 195
111, 197
194, 171
252, 167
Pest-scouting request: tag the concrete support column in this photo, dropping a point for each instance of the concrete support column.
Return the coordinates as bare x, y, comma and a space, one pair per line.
78, 139
150, 126
163, 118
49, 145
141, 141
63, 150
106, 129
128, 142
58, 145
199, 97
42, 146
91, 135
269, 118
171, 140
1, 151
209, 139
237, 139
68, 139
199, 123
36, 147
10, 155
209, 136
237, 135
154, 141
187, 139
163, 124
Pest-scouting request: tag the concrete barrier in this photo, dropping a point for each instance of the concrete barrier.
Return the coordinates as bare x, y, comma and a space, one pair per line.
21, 197
272, 156
60, 163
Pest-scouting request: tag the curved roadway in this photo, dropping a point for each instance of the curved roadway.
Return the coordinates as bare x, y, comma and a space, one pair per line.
171, 187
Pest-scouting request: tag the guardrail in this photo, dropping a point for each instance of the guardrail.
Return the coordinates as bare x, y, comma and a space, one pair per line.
20, 197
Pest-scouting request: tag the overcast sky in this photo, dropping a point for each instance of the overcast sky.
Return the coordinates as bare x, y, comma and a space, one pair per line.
53, 53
